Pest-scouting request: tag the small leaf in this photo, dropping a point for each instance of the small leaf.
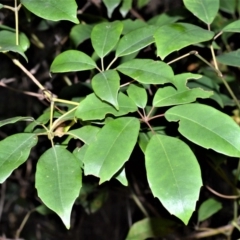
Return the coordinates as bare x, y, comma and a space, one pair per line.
208, 208
230, 58
126, 6
113, 147
174, 176
150, 228
228, 6
147, 71
121, 177
58, 181
169, 95
111, 5
8, 43
54, 10
14, 151
72, 60
80, 33
179, 35
232, 27
205, 10
135, 40
138, 94
93, 108
105, 36
106, 85
207, 127
14, 120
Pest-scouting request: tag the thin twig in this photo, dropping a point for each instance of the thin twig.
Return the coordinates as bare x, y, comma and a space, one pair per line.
222, 195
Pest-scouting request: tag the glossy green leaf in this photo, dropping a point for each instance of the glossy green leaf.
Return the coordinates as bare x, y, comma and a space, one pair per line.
113, 147
106, 85
93, 108
14, 151
135, 40
8, 43
205, 10
54, 10
111, 5
121, 177
72, 60
230, 58
138, 94
169, 95
86, 134
207, 127
105, 36
228, 6
150, 228
208, 208
173, 174
232, 27
80, 33
58, 181
126, 6
147, 71
173, 37
15, 119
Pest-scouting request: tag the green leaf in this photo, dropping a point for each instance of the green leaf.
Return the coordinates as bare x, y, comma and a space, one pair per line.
174, 176
163, 19
208, 208
150, 228
93, 108
131, 25
232, 27
72, 60
135, 40
80, 33
8, 43
113, 147
147, 71
58, 181
1, 5
106, 85
228, 6
111, 5
87, 133
54, 10
138, 94
126, 6
205, 10
207, 127
79, 153
121, 177
176, 36
142, 3
169, 95
14, 120
143, 140
14, 151
105, 36
230, 58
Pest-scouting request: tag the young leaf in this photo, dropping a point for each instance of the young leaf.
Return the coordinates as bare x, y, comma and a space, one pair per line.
14, 151
106, 85
208, 208
205, 10
135, 40
126, 6
58, 181
14, 120
92, 107
173, 174
80, 33
113, 147
176, 36
54, 10
207, 127
111, 5
8, 43
232, 27
230, 58
147, 71
105, 36
138, 94
169, 95
72, 60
